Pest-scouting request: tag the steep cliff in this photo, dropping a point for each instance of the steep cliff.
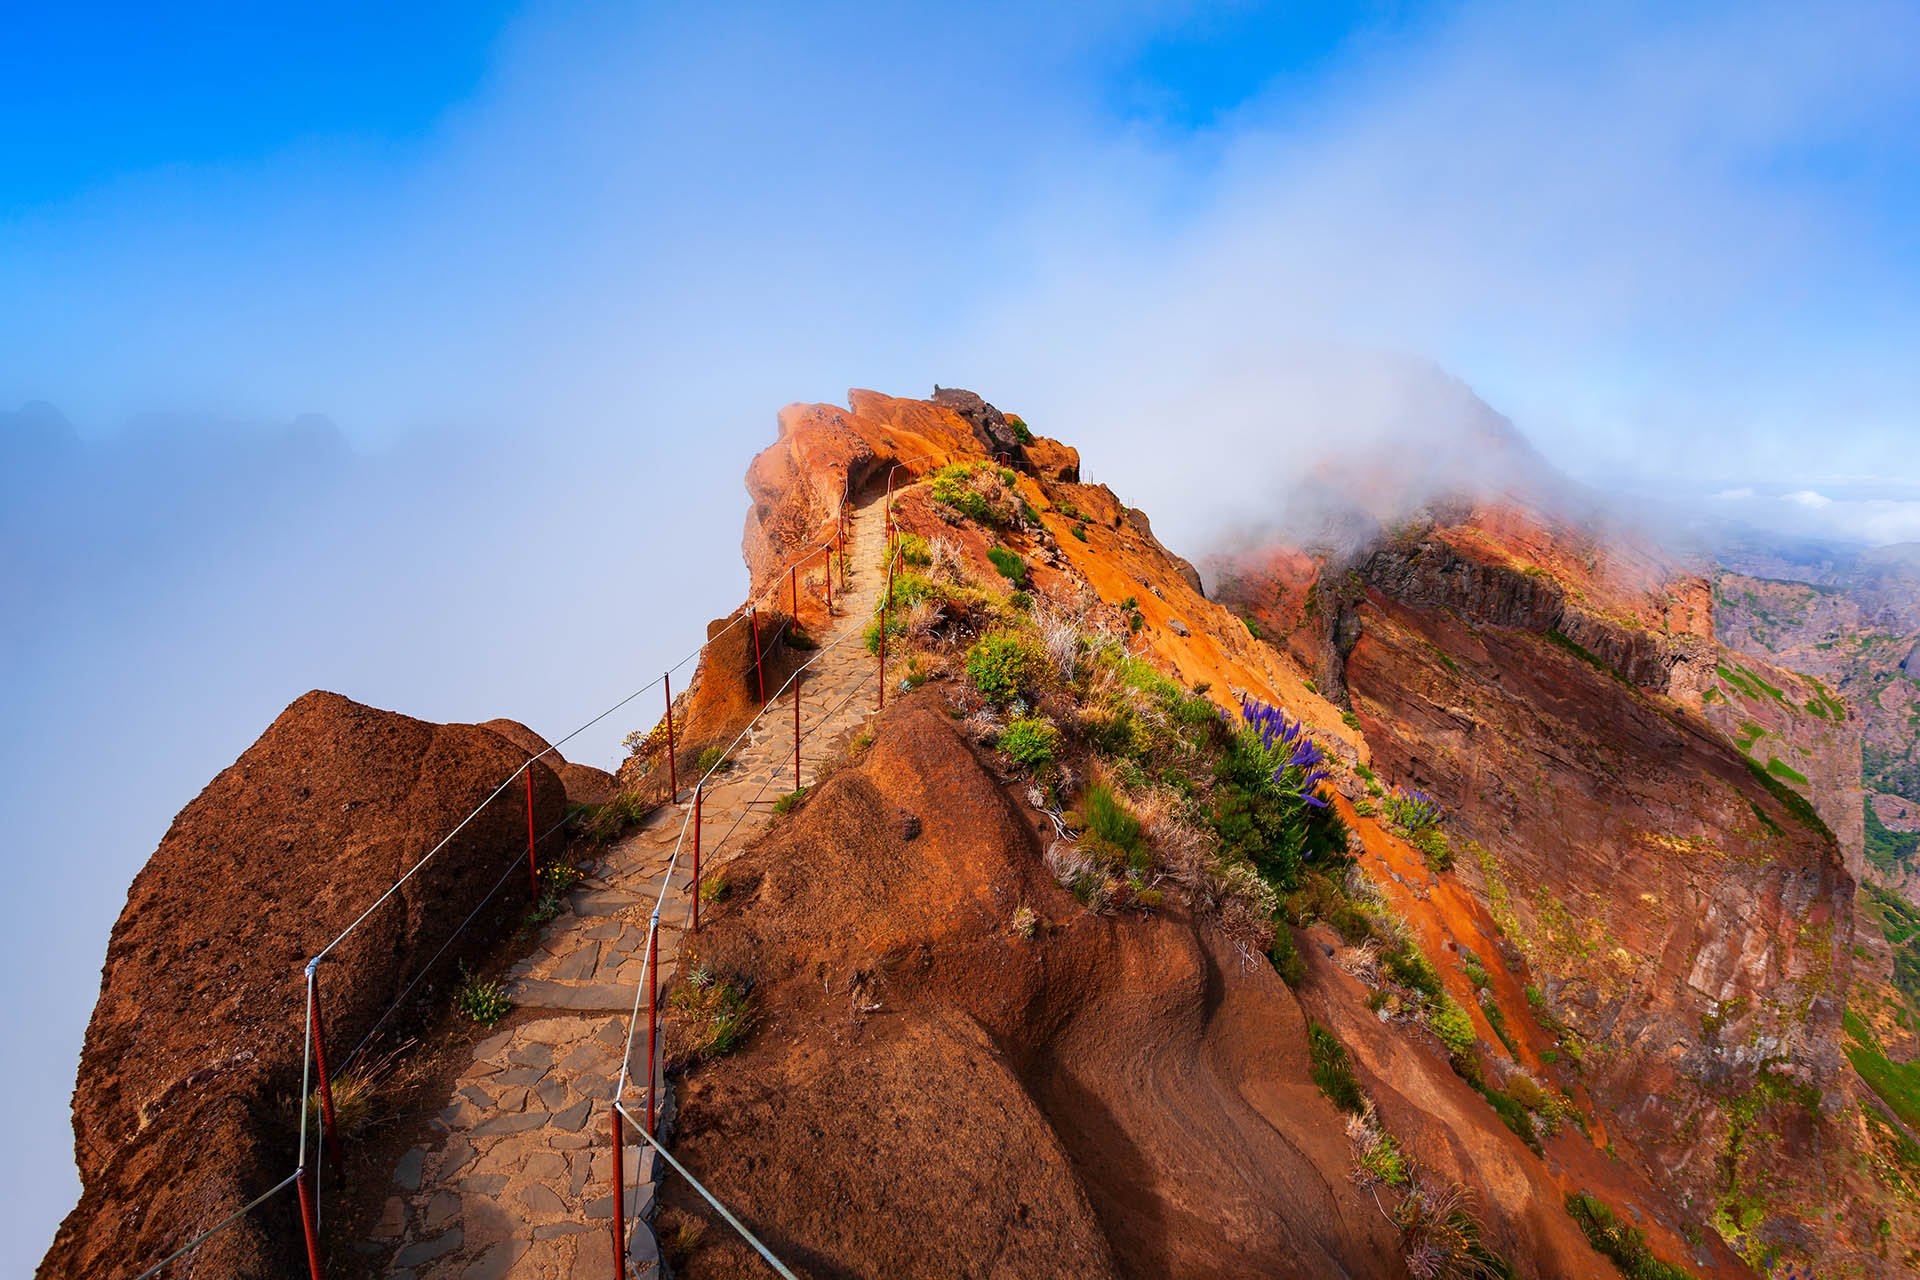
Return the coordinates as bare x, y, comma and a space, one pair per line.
1687, 916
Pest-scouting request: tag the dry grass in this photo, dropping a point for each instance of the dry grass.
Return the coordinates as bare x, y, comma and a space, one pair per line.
359, 1090
946, 564
680, 1235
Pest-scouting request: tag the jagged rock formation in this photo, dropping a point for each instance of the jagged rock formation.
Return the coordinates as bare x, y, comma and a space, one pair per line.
187, 1096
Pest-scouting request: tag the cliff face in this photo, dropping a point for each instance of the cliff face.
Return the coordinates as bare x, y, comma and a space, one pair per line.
1690, 927
1850, 632
187, 1099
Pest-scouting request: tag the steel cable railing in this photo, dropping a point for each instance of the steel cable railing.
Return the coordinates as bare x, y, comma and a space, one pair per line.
313, 1051
647, 989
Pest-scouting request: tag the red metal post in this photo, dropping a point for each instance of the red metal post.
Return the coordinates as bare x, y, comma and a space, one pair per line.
759, 676
841, 539
533, 867
673, 765
793, 592
330, 1131
696, 857
653, 1012
619, 1198
828, 575
796, 730
885, 602
306, 1223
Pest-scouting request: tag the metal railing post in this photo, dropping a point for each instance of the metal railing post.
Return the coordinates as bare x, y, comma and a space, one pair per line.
696, 857
653, 1010
306, 1223
330, 1130
619, 1196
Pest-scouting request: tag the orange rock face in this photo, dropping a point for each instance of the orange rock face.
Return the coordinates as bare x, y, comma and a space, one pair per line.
192, 1059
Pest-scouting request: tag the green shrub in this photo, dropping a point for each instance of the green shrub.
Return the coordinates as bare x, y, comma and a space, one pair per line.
1409, 967
1109, 831
1010, 565
1512, 1114
1624, 1245
1353, 925
1332, 1070
1795, 803
786, 802
1385, 1161
1030, 742
952, 487
1349, 719
1005, 665
483, 1001
711, 760
1021, 431
1451, 1023
713, 888
1434, 849
608, 821
914, 550
1080, 532
1286, 957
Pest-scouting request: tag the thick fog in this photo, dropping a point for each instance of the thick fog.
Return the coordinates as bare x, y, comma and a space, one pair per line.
455, 424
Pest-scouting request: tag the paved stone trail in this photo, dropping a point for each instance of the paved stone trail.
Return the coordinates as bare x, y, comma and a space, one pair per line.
516, 1181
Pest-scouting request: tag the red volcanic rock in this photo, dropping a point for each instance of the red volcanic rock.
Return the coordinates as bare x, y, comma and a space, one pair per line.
584, 783
1112, 1097
189, 1078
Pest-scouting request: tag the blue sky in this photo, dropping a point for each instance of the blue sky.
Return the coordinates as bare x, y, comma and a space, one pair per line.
353, 316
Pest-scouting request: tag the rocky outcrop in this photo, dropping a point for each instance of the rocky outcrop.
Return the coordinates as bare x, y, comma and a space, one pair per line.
187, 1096
585, 784
1110, 1097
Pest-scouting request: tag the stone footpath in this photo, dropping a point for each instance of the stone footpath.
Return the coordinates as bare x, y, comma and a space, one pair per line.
517, 1180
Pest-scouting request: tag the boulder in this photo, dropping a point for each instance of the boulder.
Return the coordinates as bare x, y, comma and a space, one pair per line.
192, 1059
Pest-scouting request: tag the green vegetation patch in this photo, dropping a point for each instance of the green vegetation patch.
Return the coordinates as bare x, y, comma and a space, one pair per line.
717, 1011
1794, 803
915, 551
1896, 1083
1010, 565
1005, 665
1781, 769
1031, 742
1562, 640
1624, 1245
1332, 1070
953, 487
1888, 851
